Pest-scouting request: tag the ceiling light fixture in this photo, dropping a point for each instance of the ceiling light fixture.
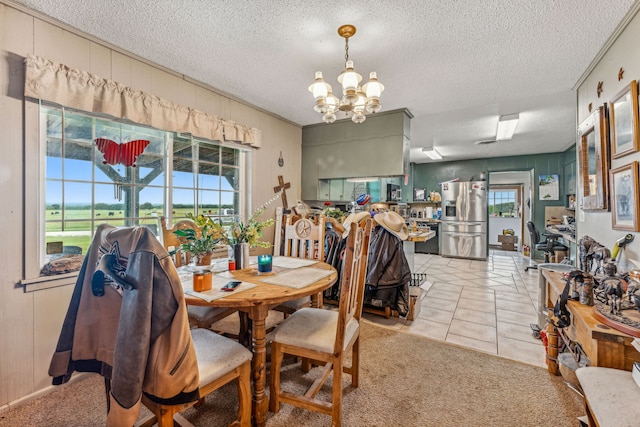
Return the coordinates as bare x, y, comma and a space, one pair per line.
507, 126
432, 153
356, 99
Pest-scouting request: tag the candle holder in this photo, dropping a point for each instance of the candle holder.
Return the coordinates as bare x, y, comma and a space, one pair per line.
265, 263
202, 281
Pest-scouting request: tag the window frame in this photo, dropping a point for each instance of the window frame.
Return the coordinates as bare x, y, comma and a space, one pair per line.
35, 188
507, 188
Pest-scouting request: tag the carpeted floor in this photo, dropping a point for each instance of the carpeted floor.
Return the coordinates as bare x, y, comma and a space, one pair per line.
405, 380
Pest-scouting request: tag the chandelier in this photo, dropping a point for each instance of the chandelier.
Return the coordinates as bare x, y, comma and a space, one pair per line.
356, 99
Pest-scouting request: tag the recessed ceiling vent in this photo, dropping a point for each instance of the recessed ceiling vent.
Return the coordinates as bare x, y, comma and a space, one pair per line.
486, 142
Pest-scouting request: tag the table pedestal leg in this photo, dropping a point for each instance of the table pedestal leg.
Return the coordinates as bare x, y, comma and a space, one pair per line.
260, 404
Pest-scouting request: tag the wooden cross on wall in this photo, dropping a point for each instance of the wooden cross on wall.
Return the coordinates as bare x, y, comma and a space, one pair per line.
282, 187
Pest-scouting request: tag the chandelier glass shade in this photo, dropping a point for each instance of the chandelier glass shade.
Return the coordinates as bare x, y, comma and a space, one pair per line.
356, 99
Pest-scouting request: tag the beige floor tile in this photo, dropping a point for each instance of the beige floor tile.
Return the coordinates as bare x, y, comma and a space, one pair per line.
435, 315
478, 294
483, 346
473, 330
515, 317
485, 306
515, 306
533, 354
427, 328
513, 297
436, 292
476, 316
516, 332
439, 303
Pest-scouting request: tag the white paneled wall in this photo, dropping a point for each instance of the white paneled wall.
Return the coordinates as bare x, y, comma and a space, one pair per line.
624, 53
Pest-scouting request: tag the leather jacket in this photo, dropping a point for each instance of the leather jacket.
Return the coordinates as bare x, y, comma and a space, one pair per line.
137, 334
388, 272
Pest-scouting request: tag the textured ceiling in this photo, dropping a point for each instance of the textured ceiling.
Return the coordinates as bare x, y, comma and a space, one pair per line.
455, 65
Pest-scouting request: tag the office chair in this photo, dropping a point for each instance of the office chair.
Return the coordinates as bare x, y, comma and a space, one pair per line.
549, 246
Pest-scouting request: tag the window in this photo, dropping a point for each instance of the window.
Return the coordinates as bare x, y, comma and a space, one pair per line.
504, 202
174, 175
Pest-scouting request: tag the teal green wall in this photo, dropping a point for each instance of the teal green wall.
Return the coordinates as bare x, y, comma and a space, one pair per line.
429, 175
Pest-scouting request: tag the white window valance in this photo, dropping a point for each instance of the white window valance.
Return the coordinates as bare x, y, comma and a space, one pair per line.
81, 90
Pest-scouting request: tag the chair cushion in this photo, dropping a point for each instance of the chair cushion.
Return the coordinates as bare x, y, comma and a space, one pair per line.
216, 354
203, 314
294, 304
606, 390
313, 328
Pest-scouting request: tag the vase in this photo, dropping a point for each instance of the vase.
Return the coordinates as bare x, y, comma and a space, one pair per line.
241, 255
203, 259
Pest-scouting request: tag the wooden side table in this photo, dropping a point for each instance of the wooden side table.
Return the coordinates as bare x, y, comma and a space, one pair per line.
602, 344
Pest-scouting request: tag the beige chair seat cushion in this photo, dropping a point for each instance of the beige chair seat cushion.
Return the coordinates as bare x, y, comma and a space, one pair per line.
295, 304
216, 354
612, 394
313, 328
203, 314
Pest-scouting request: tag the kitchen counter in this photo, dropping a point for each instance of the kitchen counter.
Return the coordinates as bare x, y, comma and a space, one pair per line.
421, 235
409, 245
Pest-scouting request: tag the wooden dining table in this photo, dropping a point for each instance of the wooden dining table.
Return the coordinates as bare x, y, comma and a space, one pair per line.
255, 296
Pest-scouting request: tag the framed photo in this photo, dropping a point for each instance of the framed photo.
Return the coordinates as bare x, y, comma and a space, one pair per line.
624, 197
623, 115
549, 187
419, 194
593, 160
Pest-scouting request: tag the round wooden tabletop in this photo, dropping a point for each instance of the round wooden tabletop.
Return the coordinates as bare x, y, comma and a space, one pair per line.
266, 293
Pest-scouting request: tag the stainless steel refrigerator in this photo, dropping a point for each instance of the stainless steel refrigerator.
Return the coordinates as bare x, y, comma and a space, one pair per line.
464, 220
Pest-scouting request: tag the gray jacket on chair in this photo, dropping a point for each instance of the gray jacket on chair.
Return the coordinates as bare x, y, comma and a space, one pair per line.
136, 335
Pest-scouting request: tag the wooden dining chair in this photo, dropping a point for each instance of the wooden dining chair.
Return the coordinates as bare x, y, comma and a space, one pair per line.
303, 238
220, 361
197, 356
325, 336
199, 316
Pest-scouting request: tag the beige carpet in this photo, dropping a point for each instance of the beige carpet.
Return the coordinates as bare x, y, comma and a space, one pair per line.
405, 380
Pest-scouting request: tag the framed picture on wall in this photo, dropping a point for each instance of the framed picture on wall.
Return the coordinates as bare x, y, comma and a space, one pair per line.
623, 116
624, 197
593, 160
419, 194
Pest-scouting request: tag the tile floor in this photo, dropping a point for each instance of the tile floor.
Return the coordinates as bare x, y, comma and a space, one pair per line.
483, 305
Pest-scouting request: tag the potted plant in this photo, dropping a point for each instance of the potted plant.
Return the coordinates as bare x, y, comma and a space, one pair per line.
200, 243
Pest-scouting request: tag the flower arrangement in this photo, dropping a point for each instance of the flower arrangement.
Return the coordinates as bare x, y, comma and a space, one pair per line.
249, 231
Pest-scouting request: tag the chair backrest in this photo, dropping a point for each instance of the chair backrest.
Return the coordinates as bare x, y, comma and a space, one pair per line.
170, 239
534, 235
304, 238
354, 270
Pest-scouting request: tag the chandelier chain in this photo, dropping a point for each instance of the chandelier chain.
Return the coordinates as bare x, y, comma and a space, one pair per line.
346, 49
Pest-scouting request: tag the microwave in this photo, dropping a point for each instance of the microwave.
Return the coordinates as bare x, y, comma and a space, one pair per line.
401, 209
394, 193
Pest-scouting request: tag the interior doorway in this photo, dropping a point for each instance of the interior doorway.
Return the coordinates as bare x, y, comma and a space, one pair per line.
510, 208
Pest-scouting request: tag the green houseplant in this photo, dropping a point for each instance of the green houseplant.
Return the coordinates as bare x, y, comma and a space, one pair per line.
200, 244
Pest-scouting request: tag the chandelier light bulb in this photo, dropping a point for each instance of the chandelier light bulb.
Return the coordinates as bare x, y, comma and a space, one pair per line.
319, 88
358, 118
355, 99
329, 118
373, 88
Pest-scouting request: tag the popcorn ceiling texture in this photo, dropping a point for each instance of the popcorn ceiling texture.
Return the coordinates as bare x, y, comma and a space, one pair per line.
432, 56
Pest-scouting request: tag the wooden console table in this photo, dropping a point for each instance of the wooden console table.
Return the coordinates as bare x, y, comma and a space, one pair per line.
602, 344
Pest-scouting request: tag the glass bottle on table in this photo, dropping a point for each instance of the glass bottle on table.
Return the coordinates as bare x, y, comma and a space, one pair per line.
232, 260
